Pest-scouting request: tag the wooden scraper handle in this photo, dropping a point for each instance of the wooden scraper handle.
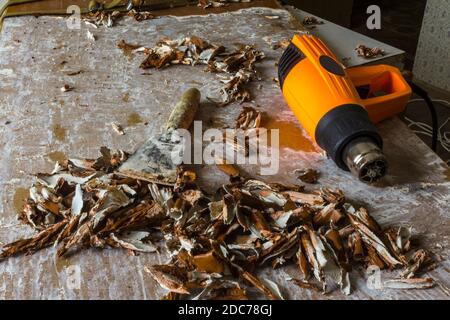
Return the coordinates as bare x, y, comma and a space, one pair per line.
184, 111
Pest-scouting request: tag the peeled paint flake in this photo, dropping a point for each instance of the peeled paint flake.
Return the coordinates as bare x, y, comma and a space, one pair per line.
265, 193
307, 285
419, 260
110, 201
302, 260
77, 201
310, 254
274, 288
259, 285
133, 240
304, 198
281, 44
307, 175
403, 237
372, 240
368, 53
102, 18
140, 15
328, 214
117, 128
283, 219
52, 180
248, 118
43, 239
319, 248
365, 218
207, 262
169, 277
333, 270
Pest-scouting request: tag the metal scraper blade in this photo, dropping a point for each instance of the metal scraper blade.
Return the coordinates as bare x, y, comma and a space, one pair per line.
156, 160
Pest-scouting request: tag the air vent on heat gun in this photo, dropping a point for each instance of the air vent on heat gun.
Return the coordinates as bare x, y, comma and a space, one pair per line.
291, 56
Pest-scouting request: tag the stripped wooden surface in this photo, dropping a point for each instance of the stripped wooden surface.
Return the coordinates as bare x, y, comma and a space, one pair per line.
39, 124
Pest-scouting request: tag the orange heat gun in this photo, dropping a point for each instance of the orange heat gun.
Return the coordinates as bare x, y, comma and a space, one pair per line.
338, 106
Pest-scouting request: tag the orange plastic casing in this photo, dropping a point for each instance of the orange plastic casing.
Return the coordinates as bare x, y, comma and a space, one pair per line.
311, 90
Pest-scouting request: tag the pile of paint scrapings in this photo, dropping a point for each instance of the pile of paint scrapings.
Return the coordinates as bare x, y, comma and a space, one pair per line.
217, 242
83, 203
99, 17
140, 15
238, 65
102, 18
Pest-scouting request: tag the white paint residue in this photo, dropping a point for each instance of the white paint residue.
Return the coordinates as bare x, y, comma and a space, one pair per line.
6, 72
140, 267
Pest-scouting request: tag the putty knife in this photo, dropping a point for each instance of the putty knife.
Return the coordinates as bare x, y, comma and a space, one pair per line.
157, 159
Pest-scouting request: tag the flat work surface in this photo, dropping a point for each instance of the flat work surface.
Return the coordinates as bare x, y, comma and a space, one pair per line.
39, 123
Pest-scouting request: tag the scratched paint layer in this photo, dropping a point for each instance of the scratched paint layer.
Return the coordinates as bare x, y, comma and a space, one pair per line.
35, 54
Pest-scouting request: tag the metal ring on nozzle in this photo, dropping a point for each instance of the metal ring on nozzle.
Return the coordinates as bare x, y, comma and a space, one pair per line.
365, 160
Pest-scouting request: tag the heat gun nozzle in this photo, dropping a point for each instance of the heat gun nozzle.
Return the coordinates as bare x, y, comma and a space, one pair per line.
365, 160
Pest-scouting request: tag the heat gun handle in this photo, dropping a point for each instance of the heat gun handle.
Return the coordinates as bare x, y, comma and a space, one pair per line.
382, 89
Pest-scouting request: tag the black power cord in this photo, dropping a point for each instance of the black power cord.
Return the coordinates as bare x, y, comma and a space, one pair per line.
434, 119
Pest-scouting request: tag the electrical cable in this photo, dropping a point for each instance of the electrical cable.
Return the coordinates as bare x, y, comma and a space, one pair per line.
434, 120
425, 129
445, 102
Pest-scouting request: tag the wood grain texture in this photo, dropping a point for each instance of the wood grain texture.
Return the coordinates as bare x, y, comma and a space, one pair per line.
416, 192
